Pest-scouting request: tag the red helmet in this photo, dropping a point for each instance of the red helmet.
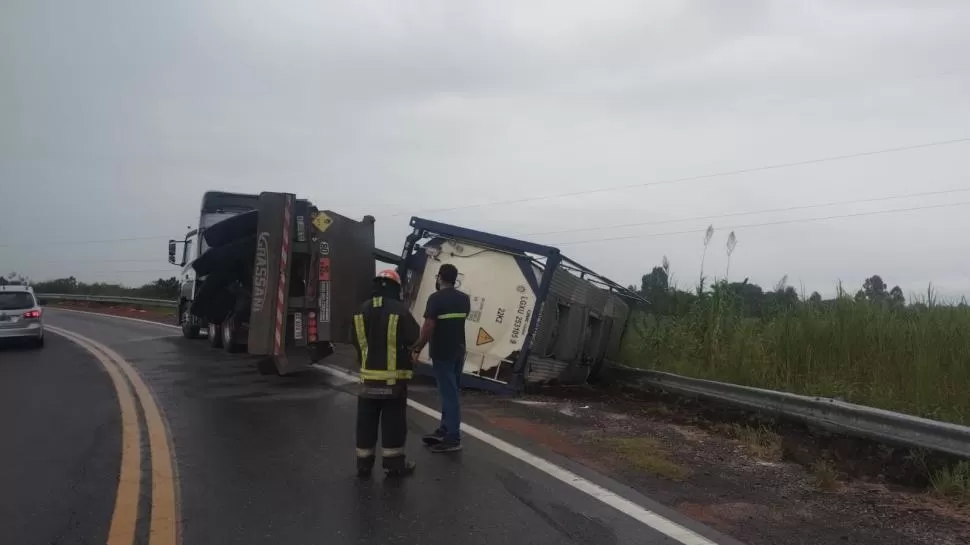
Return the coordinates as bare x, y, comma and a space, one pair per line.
389, 274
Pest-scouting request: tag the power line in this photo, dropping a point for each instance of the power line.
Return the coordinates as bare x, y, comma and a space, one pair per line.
765, 224
80, 261
78, 242
172, 272
752, 212
750, 170
725, 173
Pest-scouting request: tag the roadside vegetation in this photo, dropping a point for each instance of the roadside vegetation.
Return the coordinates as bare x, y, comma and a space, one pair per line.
760, 441
163, 288
871, 347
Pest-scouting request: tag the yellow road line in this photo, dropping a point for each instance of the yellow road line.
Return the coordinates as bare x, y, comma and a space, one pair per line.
164, 523
125, 514
163, 529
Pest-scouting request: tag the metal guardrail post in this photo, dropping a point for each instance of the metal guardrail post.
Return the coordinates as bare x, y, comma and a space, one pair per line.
848, 418
108, 299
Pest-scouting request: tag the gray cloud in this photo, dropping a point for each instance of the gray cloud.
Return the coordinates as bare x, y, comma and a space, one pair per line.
118, 115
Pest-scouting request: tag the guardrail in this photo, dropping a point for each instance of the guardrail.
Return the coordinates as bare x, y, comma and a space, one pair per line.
108, 299
839, 416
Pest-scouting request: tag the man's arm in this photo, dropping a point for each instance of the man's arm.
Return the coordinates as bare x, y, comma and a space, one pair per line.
408, 328
427, 328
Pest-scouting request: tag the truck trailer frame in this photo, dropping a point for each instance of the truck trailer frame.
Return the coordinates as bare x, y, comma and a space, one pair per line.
548, 259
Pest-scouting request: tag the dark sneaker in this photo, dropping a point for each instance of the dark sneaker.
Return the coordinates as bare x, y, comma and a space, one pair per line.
433, 438
446, 446
405, 471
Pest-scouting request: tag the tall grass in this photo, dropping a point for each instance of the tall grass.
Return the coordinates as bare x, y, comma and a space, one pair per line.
913, 359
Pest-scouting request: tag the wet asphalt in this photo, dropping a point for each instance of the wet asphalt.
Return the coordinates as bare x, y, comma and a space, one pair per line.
259, 459
60, 446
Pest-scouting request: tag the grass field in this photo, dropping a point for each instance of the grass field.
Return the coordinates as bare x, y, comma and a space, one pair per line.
913, 359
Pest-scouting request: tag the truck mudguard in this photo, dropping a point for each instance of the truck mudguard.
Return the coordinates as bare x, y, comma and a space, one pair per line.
345, 252
231, 229
271, 272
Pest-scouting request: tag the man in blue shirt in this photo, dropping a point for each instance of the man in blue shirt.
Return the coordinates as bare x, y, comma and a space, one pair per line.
444, 327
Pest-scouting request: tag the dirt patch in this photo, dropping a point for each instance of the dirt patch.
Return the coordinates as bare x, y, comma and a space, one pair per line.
543, 435
740, 477
726, 517
648, 456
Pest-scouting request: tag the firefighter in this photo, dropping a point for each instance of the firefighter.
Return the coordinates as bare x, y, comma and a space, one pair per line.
384, 330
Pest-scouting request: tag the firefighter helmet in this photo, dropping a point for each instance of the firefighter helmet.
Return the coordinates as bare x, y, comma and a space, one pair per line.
389, 274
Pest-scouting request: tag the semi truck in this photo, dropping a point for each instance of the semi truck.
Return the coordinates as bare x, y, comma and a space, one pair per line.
273, 276
536, 316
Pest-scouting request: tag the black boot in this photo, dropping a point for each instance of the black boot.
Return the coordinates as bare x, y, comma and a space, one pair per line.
404, 468
364, 467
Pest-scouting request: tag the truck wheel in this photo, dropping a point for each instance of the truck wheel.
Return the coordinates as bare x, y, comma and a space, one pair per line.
189, 331
215, 335
230, 335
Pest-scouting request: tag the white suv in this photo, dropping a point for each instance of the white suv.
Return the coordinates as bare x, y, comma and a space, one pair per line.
20, 315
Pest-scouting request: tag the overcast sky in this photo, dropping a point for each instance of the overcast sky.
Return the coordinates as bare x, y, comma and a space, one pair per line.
115, 116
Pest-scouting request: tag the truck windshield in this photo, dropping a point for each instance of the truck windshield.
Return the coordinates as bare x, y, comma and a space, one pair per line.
15, 300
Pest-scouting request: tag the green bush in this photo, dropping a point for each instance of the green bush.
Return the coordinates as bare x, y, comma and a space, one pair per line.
913, 359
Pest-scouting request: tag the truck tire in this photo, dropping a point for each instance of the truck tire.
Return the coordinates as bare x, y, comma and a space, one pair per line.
215, 335
230, 335
189, 331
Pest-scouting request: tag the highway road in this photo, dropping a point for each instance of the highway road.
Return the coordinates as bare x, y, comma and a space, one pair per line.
122, 432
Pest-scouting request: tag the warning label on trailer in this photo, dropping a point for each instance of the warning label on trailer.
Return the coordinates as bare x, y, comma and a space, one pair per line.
483, 337
322, 222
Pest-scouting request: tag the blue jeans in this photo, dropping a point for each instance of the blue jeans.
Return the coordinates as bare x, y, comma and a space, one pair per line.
448, 375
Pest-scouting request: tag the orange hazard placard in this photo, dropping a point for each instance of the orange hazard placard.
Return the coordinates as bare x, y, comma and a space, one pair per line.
483, 337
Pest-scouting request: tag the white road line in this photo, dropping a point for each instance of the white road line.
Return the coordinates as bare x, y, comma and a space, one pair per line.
103, 315
145, 339
665, 526
639, 513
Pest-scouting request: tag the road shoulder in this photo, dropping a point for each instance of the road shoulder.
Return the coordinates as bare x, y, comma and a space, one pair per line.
746, 487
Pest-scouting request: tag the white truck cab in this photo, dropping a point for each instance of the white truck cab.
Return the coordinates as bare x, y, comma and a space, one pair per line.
216, 206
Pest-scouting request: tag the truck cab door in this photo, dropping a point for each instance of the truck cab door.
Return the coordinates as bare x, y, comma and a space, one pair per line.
189, 250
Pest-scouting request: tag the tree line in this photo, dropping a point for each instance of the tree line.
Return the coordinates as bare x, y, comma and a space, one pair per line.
665, 298
163, 288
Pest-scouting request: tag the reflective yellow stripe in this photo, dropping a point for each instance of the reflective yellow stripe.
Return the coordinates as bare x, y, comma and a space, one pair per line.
361, 338
452, 316
378, 302
392, 346
390, 452
381, 374
365, 452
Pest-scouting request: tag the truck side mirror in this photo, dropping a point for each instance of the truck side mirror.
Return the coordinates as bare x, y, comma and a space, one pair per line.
171, 252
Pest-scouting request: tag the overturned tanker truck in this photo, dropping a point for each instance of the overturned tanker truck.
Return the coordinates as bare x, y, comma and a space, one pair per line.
536, 316
273, 276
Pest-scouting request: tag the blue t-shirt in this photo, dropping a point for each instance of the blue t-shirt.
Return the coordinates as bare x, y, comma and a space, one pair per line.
449, 308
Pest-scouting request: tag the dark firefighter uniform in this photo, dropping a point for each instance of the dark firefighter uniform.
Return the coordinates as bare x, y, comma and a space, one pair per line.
384, 331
